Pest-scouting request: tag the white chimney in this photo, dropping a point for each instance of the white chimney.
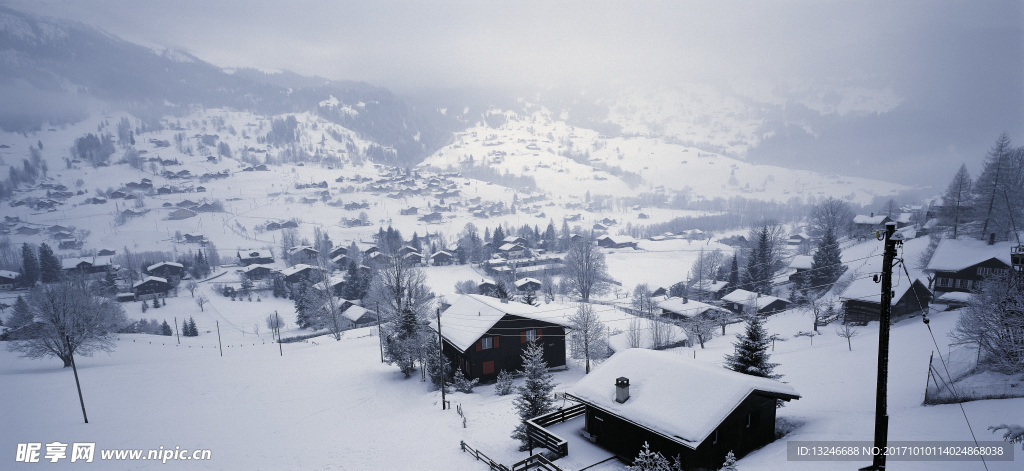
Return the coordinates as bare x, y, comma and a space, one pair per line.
621, 389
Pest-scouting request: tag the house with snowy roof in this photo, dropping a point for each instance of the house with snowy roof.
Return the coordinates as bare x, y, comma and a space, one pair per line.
87, 265
862, 300
864, 226
298, 273
483, 335
170, 271
709, 289
441, 258
685, 308
616, 242
358, 316
257, 271
7, 279
960, 265
151, 287
740, 300
680, 407
251, 257
799, 265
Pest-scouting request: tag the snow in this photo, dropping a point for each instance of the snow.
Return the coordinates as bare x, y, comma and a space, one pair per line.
354, 313
665, 389
148, 279
957, 254
865, 288
871, 220
161, 264
749, 298
687, 307
69, 263
802, 262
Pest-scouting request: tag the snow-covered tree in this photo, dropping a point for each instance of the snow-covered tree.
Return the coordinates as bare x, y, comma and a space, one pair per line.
997, 189
586, 273
994, 320
588, 337
730, 462
463, 385
847, 332
67, 319
765, 256
504, 385
827, 265
701, 328
751, 350
643, 302
649, 460
534, 397
956, 201
49, 265
437, 365
165, 329
1014, 433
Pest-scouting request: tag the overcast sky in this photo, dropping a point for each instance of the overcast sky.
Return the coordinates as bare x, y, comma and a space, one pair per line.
413, 43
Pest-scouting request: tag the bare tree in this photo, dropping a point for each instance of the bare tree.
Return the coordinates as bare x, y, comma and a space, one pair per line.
700, 328
589, 336
722, 317
705, 269
994, 320
662, 333
201, 301
405, 301
634, 333
66, 319
847, 332
585, 271
831, 214
289, 239
191, 287
956, 200
643, 302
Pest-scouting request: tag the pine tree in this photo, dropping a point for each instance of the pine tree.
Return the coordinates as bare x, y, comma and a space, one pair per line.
649, 460
730, 462
29, 266
165, 329
49, 265
436, 364
751, 351
827, 265
734, 272
999, 181
956, 201
353, 288
402, 343
463, 385
192, 329
184, 328
145, 305
535, 393
504, 385
499, 237
21, 316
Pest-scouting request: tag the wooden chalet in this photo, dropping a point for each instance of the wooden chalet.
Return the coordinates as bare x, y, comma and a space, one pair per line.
302, 253
87, 265
181, 213
257, 271
252, 257
862, 300
708, 289
683, 309
616, 242
960, 265
194, 238
8, 279
300, 272
799, 265
696, 411
739, 300
106, 252
339, 250
865, 226
441, 258
527, 285
151, 287
412, 259
170, 271
357, 316
486, 287
511, 250
483, 336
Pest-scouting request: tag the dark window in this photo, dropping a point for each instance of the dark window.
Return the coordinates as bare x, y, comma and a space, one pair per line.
486, 343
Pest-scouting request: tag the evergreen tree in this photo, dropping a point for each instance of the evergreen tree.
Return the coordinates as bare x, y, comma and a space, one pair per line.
416, 243
649, 460
504, 385
463, 385
730, 462
498, 237
184, 328
827, 266
21, 316
279, 290
956, 201
436, 364
165, 329
734, 272
193, 330
49, 265
354, 284
535, 393
401, 345
997, 190
751, 351
145, 305
305, 312
29, 266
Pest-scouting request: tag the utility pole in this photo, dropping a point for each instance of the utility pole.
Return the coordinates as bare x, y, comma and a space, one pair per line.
277, 327
440, 357
881, 416
221, 347
380, 336
176, 329
71, 353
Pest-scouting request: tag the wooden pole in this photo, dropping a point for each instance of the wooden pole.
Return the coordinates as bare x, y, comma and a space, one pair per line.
881, 393
380, 336
219, 345
176, 329
277, 325
78, 385
440, 357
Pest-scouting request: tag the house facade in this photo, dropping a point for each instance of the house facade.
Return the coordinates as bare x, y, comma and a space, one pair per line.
739, 300
862, 300
960, 265
151, 287
483, 336
672, 410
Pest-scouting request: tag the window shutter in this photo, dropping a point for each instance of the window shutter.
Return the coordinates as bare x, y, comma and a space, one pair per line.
479, 344
538, 330
522, 337
495, 341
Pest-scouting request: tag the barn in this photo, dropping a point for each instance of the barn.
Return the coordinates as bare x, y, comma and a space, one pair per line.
616, 242
151, 287
862, 300
441, 258
167, 270
7, 279
483, 336
87, 265
526, 285
739, 300
252, 257
693, 410
960, 264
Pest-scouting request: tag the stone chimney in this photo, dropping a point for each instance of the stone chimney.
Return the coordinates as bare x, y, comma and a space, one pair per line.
872, 214
621, 389
992, 239
686, 299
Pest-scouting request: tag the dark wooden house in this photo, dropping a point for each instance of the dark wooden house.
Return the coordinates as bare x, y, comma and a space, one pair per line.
87, 265
739, 300
151, 287
526, 285
616, 242
960, 265
252, 257
696, 411
169, 271
300, 272
7, 279
862, 300
257, 271
483, 336
441, 258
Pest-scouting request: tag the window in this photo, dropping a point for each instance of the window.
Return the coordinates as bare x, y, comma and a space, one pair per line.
532, 335
488, 367
486, 343
944, 282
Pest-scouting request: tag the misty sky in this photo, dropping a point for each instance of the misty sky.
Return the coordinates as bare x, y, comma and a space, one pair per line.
414, 43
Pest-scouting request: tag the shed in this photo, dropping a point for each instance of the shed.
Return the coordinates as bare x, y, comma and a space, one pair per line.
740, 299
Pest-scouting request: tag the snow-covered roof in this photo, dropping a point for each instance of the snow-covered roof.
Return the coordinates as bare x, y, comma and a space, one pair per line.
69, 263
523, 281
864, 287
619, 239
256, 266
353, 313
294, 269
686, 307
8, 274
160, 264
148, 278
440, 253
904, 218
954, 296
872, 220
802, 262
256, 254
710, 286
300, 248
750, 298
472, 315
678, 397
509, 246
957, 254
